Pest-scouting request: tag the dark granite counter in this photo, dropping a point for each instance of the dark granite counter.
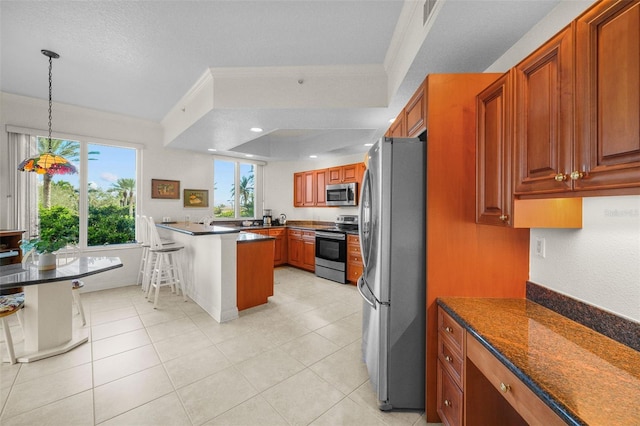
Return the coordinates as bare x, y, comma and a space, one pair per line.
17, 275
249, 237
197, 228
585, 377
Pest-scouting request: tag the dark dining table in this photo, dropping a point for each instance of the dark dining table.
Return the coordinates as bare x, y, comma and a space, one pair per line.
48, 322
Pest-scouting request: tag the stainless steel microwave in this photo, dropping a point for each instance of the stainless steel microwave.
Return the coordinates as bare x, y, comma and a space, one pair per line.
342, 194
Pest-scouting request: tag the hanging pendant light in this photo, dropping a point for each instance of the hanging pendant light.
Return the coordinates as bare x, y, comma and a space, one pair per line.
48, 162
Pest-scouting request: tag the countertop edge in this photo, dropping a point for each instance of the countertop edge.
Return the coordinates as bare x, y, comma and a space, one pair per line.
557, 407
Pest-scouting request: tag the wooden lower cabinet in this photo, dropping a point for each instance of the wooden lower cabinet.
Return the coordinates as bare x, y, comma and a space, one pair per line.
354, 259
450, 370
254, 273
475, 388
280, 243
309, 250
302, 249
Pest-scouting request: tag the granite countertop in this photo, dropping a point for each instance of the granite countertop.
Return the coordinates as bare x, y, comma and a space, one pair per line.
19, 275
584, 376
249, 237
197, 228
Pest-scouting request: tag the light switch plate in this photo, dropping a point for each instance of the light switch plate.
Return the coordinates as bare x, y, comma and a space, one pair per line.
540, 247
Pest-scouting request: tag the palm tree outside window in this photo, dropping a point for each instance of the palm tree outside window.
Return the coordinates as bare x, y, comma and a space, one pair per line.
107, 187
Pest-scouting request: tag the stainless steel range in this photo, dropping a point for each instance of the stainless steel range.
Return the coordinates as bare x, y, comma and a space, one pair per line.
331, 249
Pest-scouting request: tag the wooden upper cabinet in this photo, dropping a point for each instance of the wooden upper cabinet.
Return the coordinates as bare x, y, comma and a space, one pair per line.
298, 189
321, 184
544, 117
608, 96
494, 200
398, 128
415, 113
309, 189
345, 174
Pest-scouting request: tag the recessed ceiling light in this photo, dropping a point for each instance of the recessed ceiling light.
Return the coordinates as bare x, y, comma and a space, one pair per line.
256, 129
313, 156
212, 149
368, 144
248, 155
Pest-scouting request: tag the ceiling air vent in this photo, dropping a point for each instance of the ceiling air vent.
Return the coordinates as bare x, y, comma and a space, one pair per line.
427, 8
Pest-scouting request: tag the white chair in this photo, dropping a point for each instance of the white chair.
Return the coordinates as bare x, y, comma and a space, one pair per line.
10, 304
167, 265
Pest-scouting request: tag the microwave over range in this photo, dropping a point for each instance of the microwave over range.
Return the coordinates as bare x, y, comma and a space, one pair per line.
342, 194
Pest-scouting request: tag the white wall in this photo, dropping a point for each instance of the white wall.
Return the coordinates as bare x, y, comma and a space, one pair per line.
600, 263
278, 189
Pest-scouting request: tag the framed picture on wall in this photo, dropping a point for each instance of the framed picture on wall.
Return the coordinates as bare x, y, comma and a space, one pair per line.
196, 198
167, 189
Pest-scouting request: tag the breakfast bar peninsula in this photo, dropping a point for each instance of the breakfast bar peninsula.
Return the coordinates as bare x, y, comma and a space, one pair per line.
213, 267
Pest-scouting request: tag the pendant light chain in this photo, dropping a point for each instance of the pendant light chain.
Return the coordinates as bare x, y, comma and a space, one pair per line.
50, 103
48, 162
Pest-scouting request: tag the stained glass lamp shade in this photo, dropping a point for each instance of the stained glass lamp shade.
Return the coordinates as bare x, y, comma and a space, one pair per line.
48, 162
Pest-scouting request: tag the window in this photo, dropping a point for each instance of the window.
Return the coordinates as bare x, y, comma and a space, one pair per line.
95, 207
234, 194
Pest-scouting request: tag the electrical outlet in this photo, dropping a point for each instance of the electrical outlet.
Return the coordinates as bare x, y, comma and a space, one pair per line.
540, 249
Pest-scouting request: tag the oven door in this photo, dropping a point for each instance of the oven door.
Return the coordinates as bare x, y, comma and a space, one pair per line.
331, 250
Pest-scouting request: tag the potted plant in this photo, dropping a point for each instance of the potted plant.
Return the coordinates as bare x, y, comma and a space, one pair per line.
46, 248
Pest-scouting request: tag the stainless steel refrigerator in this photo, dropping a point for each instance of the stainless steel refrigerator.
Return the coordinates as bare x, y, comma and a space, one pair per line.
393, 285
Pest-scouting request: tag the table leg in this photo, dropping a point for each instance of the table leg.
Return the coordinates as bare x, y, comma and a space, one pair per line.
48, 322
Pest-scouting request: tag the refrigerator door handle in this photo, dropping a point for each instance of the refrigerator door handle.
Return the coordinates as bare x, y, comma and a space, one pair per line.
360, 285
363, 229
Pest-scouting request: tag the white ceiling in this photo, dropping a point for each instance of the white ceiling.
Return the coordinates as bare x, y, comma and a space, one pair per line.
140, 59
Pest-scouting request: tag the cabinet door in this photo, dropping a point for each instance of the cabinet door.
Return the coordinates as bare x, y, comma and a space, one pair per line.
309, 251
416, 112
280, 249
298, 190
294, 251
350, 173
321, 190
309, 189
398, 129
494, 140
334, 175
608, 96
544, 117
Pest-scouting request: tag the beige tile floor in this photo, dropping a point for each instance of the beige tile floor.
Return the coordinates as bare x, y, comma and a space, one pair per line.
293, 361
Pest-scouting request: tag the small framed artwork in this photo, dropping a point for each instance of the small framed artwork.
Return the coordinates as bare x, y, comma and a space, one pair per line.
196, 198
167, 189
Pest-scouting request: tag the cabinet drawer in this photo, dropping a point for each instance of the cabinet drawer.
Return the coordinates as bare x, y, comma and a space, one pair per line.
517, 394
354, 258
451, 359
449, 399
277, 232
354, 271
309, 235
353, 239
450, 329
295, 233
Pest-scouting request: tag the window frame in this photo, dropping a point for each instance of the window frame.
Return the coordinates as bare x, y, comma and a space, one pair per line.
83, 207
257, 187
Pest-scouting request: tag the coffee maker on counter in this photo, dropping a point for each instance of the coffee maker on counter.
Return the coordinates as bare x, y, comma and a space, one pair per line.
266, 217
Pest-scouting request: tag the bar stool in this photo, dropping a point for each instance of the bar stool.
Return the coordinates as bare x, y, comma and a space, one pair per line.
167, 265
76, 285
10, 304
147, 258
143, 238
